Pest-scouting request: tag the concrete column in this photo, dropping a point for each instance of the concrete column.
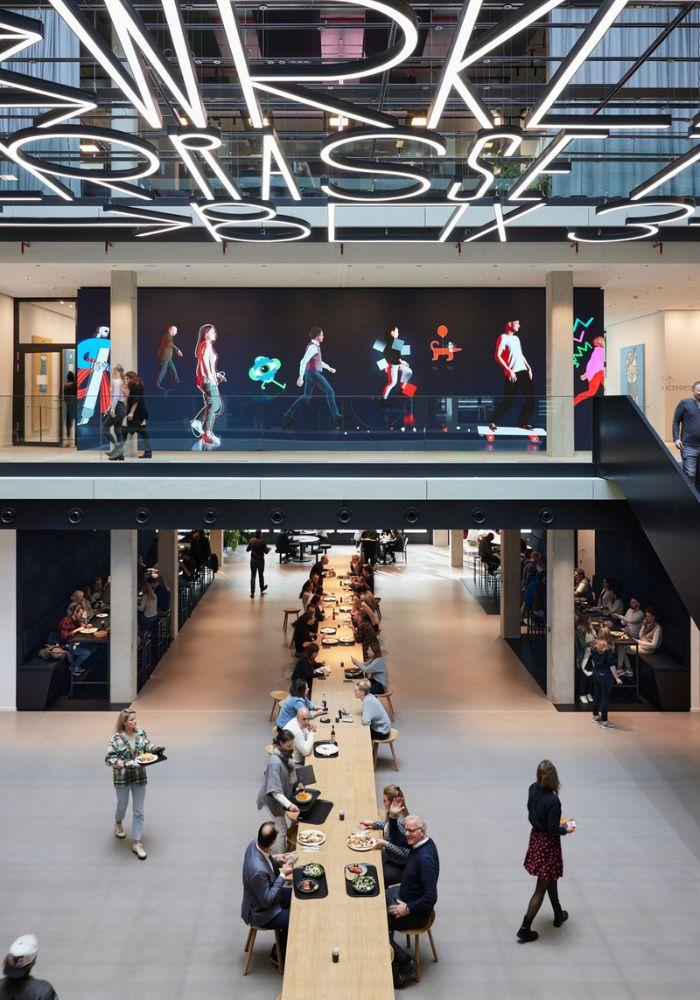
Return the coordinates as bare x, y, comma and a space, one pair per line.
456, 548
123, 632
694, 667
560, 371
510, 584
441, 538
169, 564
7, 368
123, 329
216, 541
560, 617
8, 621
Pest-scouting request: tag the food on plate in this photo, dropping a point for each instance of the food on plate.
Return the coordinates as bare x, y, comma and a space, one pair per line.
309, 838
303, 796
354, 871
361, 841
364, 883
147, 758
307, 885
327, 749
313, 870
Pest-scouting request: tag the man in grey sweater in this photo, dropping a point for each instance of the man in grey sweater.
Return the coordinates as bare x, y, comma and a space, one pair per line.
373, 713
686, 432
376, 670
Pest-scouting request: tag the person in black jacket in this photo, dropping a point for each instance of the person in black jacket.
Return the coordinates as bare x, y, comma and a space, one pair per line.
544, 858
686, 432
19, 982
136, 412
604, 662
306, 664
258, 550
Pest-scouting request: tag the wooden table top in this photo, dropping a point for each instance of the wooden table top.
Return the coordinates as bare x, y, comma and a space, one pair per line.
357, 927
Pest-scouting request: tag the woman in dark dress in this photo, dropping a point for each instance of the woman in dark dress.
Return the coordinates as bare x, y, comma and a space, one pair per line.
544, 859
136, 412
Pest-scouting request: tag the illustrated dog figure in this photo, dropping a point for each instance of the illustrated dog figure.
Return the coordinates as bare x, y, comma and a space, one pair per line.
448, 353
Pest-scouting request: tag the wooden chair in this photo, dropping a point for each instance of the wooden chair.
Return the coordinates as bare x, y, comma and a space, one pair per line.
387, 696
416, 934
287, 613
393, 735
250, 944
277, 697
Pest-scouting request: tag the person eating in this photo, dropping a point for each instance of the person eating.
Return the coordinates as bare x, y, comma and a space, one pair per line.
373, 713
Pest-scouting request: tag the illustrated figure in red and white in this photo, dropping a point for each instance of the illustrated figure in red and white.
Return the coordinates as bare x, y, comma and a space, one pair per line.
510, 358
595, 371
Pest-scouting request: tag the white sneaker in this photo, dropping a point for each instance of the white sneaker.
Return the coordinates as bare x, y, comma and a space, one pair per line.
590, 698
119, 831
596, 718
608, 725
583, 699
139, 850
197, 428
211, 439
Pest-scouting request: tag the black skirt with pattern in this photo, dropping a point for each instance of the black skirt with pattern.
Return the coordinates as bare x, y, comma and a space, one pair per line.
544, 858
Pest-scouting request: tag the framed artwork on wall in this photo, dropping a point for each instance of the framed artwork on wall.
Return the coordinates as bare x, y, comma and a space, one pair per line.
632, 373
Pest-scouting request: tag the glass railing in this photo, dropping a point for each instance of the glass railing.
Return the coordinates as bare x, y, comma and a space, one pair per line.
277, 420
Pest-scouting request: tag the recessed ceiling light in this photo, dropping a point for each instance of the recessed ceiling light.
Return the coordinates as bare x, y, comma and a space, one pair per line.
419, 121
86, 146
8, 177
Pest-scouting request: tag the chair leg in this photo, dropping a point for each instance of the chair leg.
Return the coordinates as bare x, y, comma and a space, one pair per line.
280, 960
416, 957
375, 751
250, 945
432, 945
286, 616
251, 934
393, 754
390, 707
272, 710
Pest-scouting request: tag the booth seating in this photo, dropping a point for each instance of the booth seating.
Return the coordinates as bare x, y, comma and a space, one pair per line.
40, 683
664, 681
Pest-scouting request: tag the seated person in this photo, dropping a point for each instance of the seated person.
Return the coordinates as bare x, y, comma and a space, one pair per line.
373, 712
393, 843
303, 730
306, 664
632, 619
78, 653
365, 633
320, 567
393, 543
304, 632
316, 605
417, 891
283, 545
95, 591
78, 597
650, 636
355, 566
297, 698
367, 576
163, 596
487, 552
529, 570
376, 672
147, 604
539, 597
606, 597
582, 586
266, 894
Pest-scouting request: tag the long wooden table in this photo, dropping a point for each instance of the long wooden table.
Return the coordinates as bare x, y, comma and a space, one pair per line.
357, 927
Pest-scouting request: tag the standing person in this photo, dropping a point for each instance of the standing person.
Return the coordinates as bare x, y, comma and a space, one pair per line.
208, 381
266, 894
19, 984
604, 673
136, 412
165, 352
258, 550
373, 712
125, 747
277, 789
544, 858
518, 373
117, 413
311, 377
595, 371
686, 432
393, 363
70, 400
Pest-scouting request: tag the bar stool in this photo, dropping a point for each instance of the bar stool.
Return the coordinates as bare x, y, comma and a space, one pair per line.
277, 697
387, 695
416, 934
250, 944
287, 613
393, 735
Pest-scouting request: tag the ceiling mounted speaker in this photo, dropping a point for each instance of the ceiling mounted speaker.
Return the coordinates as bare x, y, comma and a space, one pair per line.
277, 516
210, 515
411, 516
479, 515
143, 515
75, 515
546, 516
7, 515
344, 515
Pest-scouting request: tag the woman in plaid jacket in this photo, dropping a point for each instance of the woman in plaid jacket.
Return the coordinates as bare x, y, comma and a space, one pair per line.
125, 747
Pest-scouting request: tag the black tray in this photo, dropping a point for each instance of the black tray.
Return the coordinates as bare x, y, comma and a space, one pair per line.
160, 758
306, 807
298, 877
350, 886
318, 814
319, 743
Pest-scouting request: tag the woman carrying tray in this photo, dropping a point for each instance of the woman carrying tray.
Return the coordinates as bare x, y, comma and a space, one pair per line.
274, 797
125, 748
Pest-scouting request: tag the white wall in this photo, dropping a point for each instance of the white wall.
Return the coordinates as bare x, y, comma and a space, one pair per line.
586, 551
647, 330
37, 320
682, 331
8, 621
6, 368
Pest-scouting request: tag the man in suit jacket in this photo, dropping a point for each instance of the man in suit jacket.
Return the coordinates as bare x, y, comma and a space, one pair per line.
266, 896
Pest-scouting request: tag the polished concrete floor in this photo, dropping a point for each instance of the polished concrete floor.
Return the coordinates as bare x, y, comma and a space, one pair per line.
473, 726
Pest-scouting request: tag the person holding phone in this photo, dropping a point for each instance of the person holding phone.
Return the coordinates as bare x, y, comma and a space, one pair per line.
544, 858
125, 747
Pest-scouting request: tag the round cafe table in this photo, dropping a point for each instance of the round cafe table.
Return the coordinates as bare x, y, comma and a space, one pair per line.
302, 541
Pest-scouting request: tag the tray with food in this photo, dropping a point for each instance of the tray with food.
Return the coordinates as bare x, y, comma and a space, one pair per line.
347, 640
310, 886
305, 799
311, 838
146, 759
361, 841
361, 880
325, 748
352, 673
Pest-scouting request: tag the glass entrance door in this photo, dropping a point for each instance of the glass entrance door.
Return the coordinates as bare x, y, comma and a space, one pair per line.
41, 408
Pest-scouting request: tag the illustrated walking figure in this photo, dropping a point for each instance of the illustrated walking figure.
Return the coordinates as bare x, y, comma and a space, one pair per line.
208, 380
311, 377
516, 368
166, 349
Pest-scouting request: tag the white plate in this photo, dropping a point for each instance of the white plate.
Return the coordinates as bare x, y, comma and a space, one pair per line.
328, 630
327, 750
354, 848
329, 641
87, 630
319, 838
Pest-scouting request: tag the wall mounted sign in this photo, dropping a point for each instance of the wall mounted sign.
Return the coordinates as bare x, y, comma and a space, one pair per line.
371, 159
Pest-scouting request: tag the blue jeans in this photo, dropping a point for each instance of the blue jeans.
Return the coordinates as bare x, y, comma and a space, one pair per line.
689, 455
79, 654
316, 380
165, 367
138, 797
